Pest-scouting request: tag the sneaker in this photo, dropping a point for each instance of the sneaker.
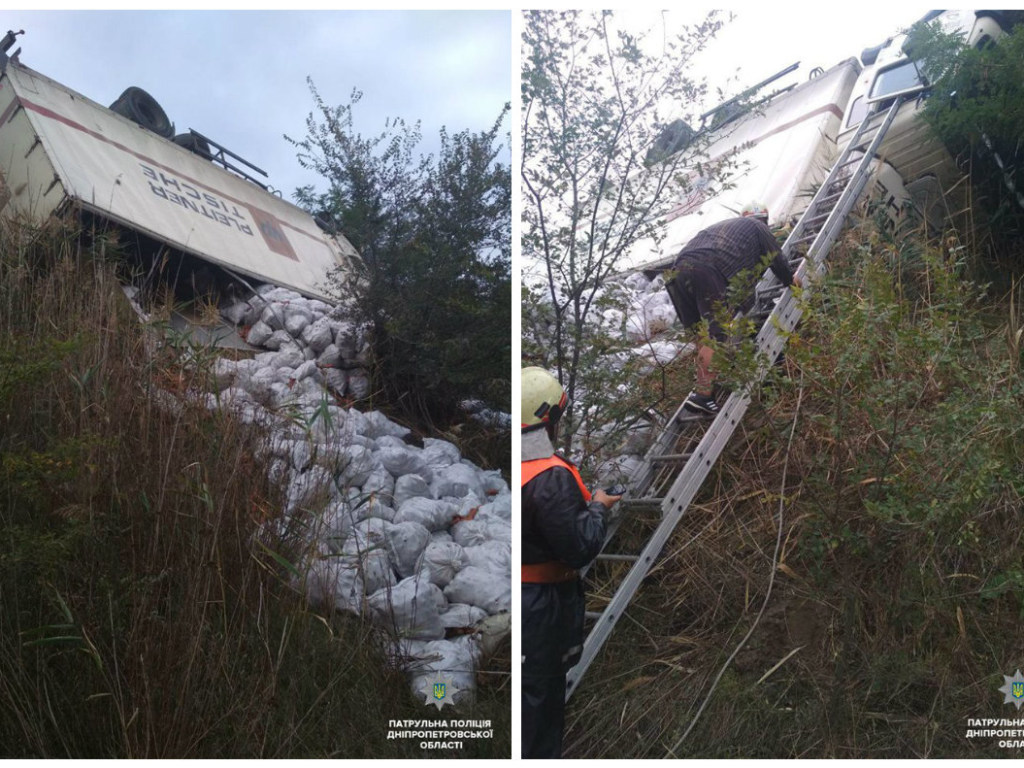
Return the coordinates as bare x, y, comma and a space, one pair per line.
701, 404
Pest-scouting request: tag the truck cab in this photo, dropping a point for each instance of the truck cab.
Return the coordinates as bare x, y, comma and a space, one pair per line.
914, 169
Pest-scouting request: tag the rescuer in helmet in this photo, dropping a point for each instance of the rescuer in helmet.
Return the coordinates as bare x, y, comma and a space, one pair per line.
704, 268
563, 528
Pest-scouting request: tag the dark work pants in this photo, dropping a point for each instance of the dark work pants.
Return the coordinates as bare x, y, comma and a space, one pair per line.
552, 629
543, 718
695, 291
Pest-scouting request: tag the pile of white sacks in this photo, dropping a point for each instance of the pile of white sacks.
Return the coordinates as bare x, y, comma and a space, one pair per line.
638, 312
416, 537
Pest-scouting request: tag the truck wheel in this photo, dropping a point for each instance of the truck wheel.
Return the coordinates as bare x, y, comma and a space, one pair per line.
139, 107
194, 144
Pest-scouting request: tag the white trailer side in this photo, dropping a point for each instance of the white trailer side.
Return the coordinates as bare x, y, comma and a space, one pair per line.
776, 155
58, 149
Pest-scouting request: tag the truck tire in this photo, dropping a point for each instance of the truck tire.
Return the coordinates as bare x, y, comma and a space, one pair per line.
870, 55
139, 107
194, 144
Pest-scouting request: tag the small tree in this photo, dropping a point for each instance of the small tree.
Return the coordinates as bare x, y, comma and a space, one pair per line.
595, 177
977, 109
435, 238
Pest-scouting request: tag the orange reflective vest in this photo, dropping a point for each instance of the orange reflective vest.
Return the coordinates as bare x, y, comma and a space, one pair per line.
552, 572
530, 469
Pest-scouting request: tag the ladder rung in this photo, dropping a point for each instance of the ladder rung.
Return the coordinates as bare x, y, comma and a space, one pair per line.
852, 161
863, 140
831, 197
647, 502
592, 615
770, 295
866, 126
672, 457
805, 238
688, 416
817, 217
618, 558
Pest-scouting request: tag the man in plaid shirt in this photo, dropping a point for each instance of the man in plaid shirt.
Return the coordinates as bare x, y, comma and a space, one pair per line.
704, 270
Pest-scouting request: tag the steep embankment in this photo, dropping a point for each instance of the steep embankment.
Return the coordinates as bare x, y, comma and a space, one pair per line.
147, 608
850, 582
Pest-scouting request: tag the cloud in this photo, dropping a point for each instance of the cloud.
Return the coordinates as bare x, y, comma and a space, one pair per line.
239, 77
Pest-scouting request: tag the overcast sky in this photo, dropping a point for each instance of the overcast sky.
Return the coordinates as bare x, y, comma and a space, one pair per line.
764, 38
239, 77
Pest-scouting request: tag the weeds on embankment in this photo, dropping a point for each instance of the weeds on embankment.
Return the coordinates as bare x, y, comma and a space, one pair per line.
144, 611
899, 580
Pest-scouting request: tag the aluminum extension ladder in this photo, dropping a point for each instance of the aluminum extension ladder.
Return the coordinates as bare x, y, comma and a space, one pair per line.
683, 469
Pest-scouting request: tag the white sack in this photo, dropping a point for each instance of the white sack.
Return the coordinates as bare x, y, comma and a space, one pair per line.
318, 336
470, 533
493, 556
355, 463
296, 318
358, 383
223, 372
494, 484
439, 453
499, 506
487, 590
336, 379
410, 487
462, 615
454, 659
404, 461
378, 425
411, 608
376, 570
434, 515
330, 356
307, 488
380, 482
442, 561
457, 480
406, 542
334, 582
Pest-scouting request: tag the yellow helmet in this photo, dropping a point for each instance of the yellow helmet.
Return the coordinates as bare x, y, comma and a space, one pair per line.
543, 398
757, 210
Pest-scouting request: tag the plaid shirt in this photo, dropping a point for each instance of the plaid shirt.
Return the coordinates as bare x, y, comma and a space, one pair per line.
733, 245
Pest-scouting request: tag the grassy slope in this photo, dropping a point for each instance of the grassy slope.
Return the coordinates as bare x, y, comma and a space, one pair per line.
899, 581
139, 615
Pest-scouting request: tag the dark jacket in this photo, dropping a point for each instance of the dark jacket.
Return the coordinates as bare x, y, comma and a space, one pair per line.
734, 245
558, 523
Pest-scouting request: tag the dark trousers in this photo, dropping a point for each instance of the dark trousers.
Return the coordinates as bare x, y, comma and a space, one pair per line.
543, 717
552, 631
695, 290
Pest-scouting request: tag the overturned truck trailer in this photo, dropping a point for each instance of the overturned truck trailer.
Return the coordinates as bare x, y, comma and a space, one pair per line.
775, 152
779, 149
61, 152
